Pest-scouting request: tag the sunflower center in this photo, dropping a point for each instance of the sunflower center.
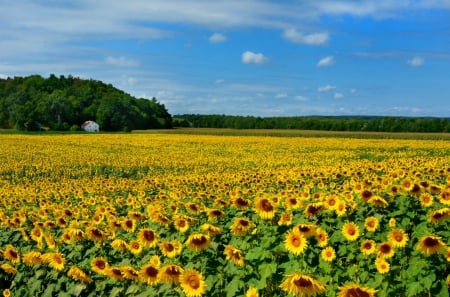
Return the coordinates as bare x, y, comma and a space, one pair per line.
243, 223
193, 282
385, 248
101, 264
199, 241
266, 206
431, 242
169, 247
351, 231
182, 223
13, 254
241, 202
151, 271
96, 232
367, 246
296, 241
357, 292
366, 194
398, 237
301, 282
149, 235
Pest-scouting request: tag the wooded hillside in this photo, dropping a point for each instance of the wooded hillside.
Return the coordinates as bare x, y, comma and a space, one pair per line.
64, 103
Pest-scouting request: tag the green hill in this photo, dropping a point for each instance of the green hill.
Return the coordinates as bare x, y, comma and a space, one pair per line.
64, 103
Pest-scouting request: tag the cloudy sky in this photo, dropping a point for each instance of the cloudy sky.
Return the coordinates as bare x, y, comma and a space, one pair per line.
243, 57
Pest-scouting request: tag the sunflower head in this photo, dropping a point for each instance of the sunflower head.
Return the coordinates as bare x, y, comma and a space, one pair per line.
300, 284
368, 247
328, 254
398, 238
295, 242
350, 231
198, 242
170, 273
149, 274
430, 244
192, 283
354, 290
265, 208
234, 255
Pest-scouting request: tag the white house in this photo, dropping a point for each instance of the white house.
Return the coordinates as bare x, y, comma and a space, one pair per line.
90, 126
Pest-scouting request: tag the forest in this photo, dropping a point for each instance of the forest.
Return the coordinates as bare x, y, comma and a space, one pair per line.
327, 123
64, 103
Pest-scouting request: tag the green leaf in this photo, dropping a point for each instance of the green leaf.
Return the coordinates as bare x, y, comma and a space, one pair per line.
413, 289
428, 280
50, 288
115, 291
235, 285
132, 289
77, 289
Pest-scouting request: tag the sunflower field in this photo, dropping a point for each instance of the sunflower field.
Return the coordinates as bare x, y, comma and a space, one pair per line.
159, 214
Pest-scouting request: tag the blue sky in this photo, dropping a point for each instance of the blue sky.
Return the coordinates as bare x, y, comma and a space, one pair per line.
243, 57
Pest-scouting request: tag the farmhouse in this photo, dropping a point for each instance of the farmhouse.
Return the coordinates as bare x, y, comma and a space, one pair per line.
90, 126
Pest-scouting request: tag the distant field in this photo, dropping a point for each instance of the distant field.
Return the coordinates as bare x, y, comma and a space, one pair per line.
298, 133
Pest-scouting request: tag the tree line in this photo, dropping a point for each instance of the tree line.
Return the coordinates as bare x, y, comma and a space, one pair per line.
64, 103
328, 123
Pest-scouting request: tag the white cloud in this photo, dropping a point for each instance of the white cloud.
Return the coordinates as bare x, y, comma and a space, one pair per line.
219, 81
253, 58
3, 76
301, 98
121, 61
309, 39
326, 88
338, 95
327, 61
353, 90
416, 62
217, 38
281, 96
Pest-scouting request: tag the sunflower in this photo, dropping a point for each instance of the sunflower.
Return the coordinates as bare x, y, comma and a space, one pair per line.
155, 261
398, 238
382, 265
32, 258
285, 219
331, 202
95, 234
385, 250
430, 244
292, 203
426, 200
135, 247
55, 260
193, 208
170, 249
368, 247
354, 290
302, 285
129, 272
306, 230
181, 224
192, 283
99, 265
170, 273
214, 214
341, 208
371, 224
252, 292
37, 234
11, 254
378, 201
313, 209
149, 274
350, 231
241, 203
328, 254
321, 237
392, 222
365, 195
234, 255
295, 242
51, 244
211, 229
241, 226
8, 268
114, 273
264, 208
198, 242
147, 237
78, 274
444, 197
129, 225
447, 254
6, 293
119, 244
439, 215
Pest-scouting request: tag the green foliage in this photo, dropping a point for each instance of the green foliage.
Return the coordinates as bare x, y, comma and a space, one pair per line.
64, 103
326, 123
